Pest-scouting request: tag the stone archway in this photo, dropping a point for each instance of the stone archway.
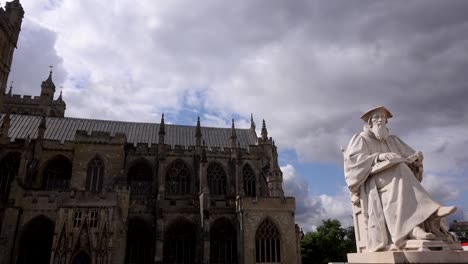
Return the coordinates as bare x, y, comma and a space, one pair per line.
180, 243
140, 242
36, 241
81, 258
223, 242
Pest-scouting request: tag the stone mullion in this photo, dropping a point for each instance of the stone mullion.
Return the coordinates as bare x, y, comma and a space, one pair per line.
239, 179
206, 241
159, 247
162, 179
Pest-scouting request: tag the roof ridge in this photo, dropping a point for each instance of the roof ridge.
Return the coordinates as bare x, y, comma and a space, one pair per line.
142, 123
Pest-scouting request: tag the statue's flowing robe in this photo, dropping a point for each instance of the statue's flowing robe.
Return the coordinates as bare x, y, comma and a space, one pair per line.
395, 200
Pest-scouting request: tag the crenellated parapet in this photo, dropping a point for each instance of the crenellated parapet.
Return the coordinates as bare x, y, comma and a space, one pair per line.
45, 104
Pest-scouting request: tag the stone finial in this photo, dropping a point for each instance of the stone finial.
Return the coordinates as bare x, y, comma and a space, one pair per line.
42, 124
264, 131
162, 130
60, 96
10, 92
233, 130
42, 127
252, 123
233, 137
162, 126
198, 134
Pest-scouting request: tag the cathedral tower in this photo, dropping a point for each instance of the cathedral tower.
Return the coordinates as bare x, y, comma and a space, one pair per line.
11, 18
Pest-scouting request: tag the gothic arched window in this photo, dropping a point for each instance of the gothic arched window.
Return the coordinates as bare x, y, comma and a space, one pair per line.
180, 243
216, 179
178, 178
95, 175
223, 242
140, 244
140, 178
57, 174
267, 243
249, 180
9, 167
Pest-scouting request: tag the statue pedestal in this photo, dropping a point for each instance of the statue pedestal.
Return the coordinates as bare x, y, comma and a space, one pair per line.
409, 257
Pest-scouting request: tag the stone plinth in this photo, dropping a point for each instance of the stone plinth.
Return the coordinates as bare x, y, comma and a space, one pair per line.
409, 257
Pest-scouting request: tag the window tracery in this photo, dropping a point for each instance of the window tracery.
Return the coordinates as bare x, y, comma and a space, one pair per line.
249, 180
57, 174
140, 178
216, 179
178, 178
95, 175
267, 243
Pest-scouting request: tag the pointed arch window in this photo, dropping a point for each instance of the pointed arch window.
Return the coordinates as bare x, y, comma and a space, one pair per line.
267, 243
249, 180
140, 178
178, 178
9, 167
216, 179
57, 174
95, 175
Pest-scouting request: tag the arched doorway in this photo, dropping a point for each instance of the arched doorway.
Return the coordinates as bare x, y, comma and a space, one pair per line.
36, 241
180, 243
81, 258
140, 243
223, 242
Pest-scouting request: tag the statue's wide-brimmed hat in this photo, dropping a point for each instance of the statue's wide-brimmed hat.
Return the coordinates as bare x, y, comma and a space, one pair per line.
368, 114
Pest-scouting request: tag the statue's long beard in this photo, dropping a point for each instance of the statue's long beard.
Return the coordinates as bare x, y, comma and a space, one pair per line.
380, 132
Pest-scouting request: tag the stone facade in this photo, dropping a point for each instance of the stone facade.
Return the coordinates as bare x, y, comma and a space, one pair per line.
96, 191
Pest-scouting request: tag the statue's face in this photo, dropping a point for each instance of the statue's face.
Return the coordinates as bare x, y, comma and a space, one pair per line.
379, 119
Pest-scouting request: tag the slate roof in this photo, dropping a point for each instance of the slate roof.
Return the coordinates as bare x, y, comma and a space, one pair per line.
64, 128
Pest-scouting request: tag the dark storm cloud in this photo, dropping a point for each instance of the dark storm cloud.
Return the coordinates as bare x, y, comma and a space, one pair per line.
34, 54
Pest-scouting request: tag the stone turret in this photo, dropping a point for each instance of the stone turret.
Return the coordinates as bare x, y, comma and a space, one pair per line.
48, 90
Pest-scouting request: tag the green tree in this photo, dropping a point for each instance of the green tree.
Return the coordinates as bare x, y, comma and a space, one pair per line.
329, 243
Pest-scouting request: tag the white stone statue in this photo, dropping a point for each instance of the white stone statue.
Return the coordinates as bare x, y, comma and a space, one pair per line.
385, 173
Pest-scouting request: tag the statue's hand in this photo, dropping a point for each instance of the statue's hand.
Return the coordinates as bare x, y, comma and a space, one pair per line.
388, 156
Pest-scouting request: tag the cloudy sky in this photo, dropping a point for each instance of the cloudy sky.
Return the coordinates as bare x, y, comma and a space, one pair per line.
309, 68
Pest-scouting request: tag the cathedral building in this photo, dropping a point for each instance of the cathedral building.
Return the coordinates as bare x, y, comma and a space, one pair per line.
75, 190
